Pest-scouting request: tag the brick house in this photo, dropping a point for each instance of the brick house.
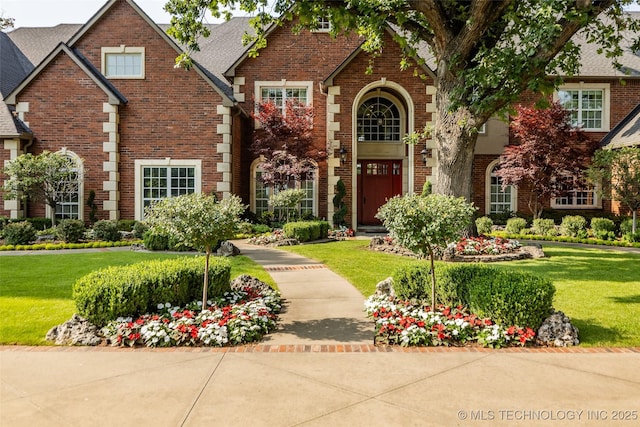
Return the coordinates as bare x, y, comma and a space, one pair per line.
107, 94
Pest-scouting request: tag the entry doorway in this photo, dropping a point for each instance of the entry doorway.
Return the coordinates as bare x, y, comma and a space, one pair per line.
378, 181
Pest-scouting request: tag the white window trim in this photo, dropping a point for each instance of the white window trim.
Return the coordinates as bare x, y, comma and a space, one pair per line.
166, 162
80, 171
482, 130
254, 182
487, 191
122, 49
597, 202
284, 84
323, 29
606, 101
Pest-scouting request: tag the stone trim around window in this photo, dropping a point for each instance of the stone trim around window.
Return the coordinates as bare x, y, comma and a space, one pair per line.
140, 164
606, 101
122, 50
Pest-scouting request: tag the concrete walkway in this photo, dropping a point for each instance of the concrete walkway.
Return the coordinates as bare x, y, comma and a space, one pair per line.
320, 307
318, 369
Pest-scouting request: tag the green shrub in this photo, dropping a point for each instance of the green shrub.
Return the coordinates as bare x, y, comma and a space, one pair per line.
603, 228
260, 228
544, 227
305, 231
484, 224
626, 226
574, 226
132, 290
126, 224
515, 225
427, 188
70, 230
139, 229
37, 223
511, 297
632, 237
19, 233
155, 242
106, 230
507, 297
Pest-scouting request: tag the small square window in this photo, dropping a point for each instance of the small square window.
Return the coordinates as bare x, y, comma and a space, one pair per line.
123, 62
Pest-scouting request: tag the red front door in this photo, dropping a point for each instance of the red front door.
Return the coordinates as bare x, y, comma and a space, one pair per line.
378, 181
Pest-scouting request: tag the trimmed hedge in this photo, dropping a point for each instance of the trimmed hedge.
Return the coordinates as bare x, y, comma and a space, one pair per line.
306, 231
507, 297
132, 290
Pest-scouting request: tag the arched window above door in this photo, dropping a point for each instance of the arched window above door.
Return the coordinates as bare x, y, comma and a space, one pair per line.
379, 120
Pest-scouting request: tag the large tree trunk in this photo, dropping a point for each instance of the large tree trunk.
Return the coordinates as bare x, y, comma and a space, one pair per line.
455, 134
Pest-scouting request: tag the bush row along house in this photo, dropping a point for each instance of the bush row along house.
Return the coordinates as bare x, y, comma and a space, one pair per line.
107, 94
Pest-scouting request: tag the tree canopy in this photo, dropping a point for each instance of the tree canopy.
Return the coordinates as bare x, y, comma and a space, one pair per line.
549, 157
617, 171
46, 177
285, 142
481, 54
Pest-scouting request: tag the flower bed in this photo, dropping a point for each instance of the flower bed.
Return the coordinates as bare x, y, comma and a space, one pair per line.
341, 233
238, 317
486, 246
275, 238
406, 324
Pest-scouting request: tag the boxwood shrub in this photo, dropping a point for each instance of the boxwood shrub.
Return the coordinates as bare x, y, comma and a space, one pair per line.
106, 230
305, 231
508, 297
70, 230
132, 290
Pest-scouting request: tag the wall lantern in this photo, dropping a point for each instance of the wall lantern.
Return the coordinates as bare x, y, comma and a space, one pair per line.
343, 155
423, 154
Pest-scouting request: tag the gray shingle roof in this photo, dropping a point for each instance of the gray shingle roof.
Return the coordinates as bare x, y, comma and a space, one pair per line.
10, 125
626, 133
38, 42
14, 66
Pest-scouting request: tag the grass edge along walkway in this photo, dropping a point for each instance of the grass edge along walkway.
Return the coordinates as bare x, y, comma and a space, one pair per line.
599, 289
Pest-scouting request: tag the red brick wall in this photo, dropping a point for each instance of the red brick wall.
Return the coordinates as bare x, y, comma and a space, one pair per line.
170, 113
351, 81
65, 111
295, 57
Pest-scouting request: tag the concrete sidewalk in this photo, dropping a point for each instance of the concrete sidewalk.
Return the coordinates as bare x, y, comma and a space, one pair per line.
318, 369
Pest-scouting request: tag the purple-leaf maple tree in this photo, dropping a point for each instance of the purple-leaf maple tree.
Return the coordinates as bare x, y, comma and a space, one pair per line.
549, 157
285, 141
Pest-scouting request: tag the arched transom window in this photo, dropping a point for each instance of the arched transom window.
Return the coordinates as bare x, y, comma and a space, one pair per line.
379, 121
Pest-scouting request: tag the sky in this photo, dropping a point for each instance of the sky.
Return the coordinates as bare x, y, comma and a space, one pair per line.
48, 13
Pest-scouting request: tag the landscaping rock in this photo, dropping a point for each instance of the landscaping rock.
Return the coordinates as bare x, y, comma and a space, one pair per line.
534, 249
385, 287
245, 281
557, 331
380, 244
228, 249
77, 331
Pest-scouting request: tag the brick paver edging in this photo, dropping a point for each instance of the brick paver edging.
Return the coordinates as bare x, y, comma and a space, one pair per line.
326, 348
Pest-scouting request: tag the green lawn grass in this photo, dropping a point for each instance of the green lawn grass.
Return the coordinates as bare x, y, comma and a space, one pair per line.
598, 289
35, 290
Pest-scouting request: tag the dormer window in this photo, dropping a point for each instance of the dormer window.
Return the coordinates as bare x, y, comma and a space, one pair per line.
123, 62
